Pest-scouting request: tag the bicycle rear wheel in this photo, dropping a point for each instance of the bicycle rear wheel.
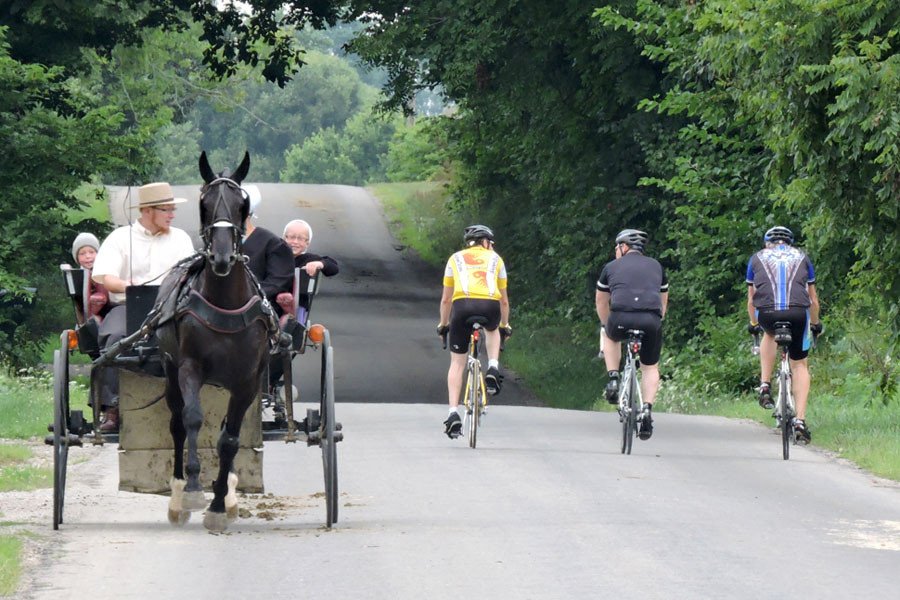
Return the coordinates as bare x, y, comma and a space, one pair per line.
626, 401
474, 401
787, 417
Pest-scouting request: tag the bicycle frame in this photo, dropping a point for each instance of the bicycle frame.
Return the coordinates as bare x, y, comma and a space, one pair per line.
631, 402
475, 397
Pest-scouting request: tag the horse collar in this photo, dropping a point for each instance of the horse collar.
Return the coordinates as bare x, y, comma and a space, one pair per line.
221, 319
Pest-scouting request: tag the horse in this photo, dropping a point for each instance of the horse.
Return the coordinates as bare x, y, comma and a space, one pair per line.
218, 333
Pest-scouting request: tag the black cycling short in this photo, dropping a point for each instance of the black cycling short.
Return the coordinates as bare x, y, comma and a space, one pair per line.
464, 308
797, 317
650, 323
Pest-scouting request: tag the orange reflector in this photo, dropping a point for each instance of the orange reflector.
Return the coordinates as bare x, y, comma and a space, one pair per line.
73, 339
317, 333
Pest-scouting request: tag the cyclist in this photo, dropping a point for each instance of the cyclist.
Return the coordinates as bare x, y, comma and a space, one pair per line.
781, 286
474, 284
633, 293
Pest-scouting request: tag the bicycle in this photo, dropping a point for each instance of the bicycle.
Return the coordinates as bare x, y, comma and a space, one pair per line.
631, 403
785, 411
475, 392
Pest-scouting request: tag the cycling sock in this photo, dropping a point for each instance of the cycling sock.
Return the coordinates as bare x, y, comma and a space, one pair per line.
613, 374
495, 363
452, 411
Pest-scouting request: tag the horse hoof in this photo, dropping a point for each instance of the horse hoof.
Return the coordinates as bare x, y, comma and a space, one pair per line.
215, 521
179, 517
231, 513
193, 501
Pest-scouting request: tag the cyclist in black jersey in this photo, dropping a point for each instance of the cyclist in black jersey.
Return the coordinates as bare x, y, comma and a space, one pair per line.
632, 293
781, 286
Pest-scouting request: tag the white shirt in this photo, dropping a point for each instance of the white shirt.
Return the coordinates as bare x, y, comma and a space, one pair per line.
134, 254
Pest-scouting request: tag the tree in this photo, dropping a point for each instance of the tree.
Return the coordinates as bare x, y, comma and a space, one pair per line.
355, 156
49, 152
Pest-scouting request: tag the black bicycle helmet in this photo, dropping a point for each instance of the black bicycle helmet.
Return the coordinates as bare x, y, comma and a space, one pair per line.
475, 233
634, 238
779, 234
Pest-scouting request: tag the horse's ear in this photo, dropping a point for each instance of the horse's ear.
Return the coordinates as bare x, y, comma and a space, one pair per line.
205, 170
243, 169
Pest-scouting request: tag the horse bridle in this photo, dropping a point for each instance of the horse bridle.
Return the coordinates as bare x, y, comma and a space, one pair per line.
237, 230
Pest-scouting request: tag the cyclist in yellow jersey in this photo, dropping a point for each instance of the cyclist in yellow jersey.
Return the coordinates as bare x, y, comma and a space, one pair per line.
474, 284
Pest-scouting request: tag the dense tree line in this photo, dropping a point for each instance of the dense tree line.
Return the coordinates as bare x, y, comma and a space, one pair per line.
701, 122
704, 123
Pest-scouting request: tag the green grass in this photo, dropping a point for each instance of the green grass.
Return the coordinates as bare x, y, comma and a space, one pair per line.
24, 478
414, 211
26, 405
10, 564
560, 366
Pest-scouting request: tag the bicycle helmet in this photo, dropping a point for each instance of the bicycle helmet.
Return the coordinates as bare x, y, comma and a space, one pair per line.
475, 233
779, 234
634, 238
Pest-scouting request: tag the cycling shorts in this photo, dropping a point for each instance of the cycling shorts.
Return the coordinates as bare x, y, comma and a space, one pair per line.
650, 323
464, 308
798, 318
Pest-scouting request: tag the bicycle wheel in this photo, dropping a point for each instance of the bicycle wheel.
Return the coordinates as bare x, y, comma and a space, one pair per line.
626, 402
60, 431
474, 404
787, 417
326, 434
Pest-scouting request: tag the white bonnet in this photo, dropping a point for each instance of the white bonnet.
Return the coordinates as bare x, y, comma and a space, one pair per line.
254, 195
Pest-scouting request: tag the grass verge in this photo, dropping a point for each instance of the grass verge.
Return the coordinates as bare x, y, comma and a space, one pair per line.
560, 364
10, 564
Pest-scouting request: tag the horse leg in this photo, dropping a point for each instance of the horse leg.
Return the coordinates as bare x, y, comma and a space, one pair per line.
176, 513
217, 517
224, 503
190, 381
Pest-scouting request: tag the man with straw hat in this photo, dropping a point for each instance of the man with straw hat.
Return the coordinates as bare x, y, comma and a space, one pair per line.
138, 254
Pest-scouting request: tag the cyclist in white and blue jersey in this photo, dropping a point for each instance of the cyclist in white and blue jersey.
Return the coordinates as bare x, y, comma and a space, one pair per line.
781, 286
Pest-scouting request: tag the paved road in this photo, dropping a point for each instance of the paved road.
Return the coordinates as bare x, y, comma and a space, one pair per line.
546, 507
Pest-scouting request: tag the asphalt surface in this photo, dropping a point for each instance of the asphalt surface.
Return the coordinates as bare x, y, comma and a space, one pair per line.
545, 507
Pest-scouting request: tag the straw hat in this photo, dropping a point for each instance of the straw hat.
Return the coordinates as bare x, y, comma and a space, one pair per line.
154, 194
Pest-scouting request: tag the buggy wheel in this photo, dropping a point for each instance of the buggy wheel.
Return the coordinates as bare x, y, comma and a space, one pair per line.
60, 428
326, 434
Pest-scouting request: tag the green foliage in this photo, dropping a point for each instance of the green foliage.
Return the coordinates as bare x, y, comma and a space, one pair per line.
268, 120
56, 139
419, 218
418, 152
352, 156
802, 95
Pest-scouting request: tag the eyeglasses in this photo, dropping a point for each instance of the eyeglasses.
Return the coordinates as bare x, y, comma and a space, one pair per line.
296, 238
170, 210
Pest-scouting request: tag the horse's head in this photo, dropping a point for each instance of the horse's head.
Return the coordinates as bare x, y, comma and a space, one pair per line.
224, 207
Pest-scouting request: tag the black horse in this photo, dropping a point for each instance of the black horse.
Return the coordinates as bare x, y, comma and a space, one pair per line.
219, 333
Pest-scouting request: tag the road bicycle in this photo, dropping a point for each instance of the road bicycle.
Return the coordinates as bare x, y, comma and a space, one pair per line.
631, 403
475, 392
785, 410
